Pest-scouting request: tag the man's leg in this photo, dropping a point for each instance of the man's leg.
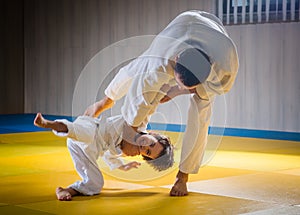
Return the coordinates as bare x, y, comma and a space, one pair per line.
194, 142
40, 121
179, 188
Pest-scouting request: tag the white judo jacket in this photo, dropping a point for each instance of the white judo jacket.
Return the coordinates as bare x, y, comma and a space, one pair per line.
97, 137
146, 80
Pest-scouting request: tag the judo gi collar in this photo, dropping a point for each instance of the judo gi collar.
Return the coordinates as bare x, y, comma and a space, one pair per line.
138, 135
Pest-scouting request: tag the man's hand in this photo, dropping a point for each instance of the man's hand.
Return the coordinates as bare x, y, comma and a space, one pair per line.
129, 166
96, 109
91, 110
173, 92
165, 99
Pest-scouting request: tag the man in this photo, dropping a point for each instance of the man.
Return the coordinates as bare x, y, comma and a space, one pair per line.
193, 54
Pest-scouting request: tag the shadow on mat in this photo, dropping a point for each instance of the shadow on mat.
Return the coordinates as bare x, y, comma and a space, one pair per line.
125, 194
116, 195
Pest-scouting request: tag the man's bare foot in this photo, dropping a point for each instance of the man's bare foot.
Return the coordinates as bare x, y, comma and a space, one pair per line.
40, 121
180, 188
65, 194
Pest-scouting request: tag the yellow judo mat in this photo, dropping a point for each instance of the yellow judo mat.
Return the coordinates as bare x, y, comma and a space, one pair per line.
244, 176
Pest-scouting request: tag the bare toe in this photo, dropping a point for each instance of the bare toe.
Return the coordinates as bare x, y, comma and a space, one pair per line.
63, 194
179, 189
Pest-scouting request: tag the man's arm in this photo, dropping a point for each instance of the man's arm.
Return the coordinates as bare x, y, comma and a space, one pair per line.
96, 109
176, 91
143, 97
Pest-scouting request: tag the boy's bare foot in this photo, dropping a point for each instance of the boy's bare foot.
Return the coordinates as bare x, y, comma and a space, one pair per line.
65, 194
39, 121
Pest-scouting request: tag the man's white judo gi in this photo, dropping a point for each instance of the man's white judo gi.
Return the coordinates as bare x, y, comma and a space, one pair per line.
146, 79
89, 138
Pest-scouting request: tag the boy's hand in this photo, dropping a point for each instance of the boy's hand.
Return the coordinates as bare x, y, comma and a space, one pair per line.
129, 166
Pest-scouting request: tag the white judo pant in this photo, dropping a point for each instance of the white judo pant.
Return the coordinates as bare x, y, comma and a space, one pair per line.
84, 152
87, 168
196, 134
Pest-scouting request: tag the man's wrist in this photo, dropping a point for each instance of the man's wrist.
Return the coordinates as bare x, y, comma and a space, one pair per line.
134, 128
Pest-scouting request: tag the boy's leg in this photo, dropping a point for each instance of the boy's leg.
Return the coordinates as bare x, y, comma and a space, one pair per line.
83, 129
86, 166
65, 194
84, 159
40, 121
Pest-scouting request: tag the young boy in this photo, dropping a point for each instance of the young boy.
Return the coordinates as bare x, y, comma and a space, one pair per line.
89, 138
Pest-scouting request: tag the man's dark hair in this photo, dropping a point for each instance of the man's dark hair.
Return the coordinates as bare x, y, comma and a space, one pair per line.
166, 157
193, 67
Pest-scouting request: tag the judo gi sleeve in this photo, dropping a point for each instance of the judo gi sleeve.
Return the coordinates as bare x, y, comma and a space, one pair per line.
113, 161
146, 91
119, 86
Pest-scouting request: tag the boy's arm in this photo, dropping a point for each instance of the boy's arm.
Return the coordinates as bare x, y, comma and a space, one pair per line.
96, 109
115, 162
129, 166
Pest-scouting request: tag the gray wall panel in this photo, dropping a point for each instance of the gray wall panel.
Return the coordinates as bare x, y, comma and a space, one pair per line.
11, 57
61, 37
267, 91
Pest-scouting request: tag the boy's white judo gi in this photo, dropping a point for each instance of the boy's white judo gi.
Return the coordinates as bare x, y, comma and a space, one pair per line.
146, 79
89, 138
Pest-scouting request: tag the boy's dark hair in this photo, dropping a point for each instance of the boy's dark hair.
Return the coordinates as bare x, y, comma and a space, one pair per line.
193, 66
166, 158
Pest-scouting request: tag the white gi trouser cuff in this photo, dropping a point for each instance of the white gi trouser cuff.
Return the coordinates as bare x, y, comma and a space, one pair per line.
83, 129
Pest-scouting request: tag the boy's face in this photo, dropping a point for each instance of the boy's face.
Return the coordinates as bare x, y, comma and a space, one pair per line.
149, 146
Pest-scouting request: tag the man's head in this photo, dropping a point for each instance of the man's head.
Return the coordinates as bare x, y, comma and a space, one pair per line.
192, 67
156, 150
